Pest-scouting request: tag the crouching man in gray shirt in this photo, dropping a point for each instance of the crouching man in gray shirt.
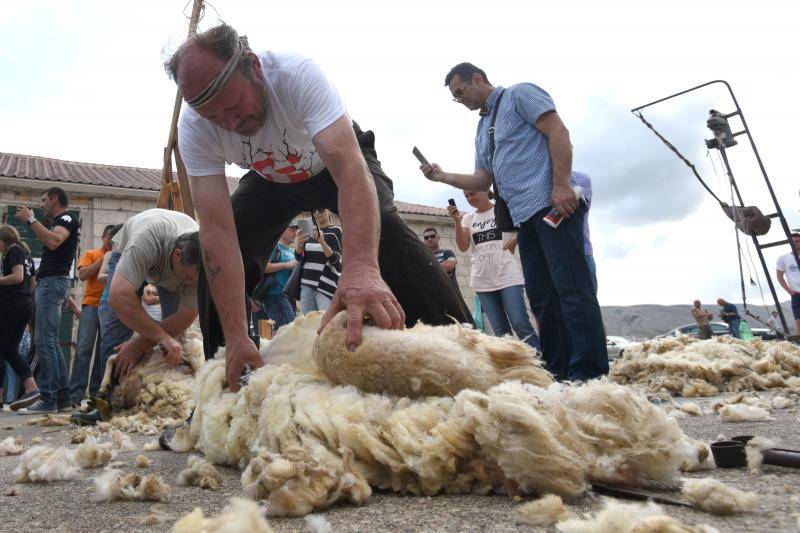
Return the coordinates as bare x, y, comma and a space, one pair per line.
156, 246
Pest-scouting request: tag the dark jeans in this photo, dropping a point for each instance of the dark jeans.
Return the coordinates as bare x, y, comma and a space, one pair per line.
88, 344
12, 328
733, 327
51, 293
278, 308
562, 295
113, 331
262, 209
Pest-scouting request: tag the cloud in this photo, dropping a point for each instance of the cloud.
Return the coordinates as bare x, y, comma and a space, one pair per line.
636, 179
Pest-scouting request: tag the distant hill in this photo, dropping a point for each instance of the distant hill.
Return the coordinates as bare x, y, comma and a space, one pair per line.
638, 322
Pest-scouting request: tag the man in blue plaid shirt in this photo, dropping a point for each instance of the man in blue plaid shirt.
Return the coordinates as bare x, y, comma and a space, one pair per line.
532, 166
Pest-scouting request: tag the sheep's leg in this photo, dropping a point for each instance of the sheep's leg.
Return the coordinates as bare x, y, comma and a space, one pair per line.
108, 378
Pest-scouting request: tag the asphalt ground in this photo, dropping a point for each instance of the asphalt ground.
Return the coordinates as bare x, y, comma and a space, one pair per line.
71, 505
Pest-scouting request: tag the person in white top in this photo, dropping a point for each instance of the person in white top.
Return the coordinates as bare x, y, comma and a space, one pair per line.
496, 276
278, 116
789, 277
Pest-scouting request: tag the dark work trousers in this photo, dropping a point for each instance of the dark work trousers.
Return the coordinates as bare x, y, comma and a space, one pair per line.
11, 329
262, 209
560, 288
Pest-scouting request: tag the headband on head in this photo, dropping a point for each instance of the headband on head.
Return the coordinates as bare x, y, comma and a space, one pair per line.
213, 88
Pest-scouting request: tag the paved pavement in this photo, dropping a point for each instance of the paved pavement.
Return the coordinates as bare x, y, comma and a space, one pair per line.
70, 505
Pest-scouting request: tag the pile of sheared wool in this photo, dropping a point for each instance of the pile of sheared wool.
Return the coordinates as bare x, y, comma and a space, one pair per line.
684, 366
511, 437
157, 394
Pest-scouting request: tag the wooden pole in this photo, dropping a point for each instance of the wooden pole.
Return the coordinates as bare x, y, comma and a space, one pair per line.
177, 196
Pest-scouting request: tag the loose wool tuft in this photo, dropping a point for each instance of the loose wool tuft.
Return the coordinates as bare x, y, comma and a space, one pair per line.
543, 512
79, 436
11, 446
42, 464
93, 455
782, 402
712, 496
318, 524
200, 473
116, 485
617, 517
691, 409
142, 461
295, 483
684, 366
755, 452
240, 515
743, 413
432, 360
512, 437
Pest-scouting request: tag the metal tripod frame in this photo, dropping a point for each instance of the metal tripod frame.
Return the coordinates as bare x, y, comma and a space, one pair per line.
778, 212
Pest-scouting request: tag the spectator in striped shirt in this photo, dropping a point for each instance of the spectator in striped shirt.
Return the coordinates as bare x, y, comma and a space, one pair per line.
322, 262
532, 167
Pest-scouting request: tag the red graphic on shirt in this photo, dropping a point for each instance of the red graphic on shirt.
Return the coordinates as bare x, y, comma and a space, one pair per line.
290, 167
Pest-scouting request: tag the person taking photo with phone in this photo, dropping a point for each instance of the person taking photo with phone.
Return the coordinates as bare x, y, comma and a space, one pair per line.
321, 254
495, 275
522, 145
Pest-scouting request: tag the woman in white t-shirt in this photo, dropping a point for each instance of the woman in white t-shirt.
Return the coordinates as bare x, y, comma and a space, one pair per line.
496, 275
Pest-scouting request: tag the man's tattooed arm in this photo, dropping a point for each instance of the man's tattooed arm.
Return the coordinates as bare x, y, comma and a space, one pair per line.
212, 270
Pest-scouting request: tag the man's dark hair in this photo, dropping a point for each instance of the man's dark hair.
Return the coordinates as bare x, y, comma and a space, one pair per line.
426, 230
189, 245
114, 230
220, 41
59, 193
465, 72
107, 230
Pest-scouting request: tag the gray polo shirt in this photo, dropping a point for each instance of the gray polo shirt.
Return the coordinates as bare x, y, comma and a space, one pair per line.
146, 242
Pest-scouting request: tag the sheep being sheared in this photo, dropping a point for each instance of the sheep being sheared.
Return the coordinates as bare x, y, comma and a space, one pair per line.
501, 435
155, 394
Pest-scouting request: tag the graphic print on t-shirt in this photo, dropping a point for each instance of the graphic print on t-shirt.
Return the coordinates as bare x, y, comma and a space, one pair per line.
484, 231
281, 165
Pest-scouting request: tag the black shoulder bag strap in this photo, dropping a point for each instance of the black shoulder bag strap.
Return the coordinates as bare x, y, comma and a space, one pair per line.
502, 216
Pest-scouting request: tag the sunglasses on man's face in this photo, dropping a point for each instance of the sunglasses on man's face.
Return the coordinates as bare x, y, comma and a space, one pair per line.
429, 237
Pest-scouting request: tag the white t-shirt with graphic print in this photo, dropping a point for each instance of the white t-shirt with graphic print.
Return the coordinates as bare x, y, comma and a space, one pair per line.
301, 102
492, 267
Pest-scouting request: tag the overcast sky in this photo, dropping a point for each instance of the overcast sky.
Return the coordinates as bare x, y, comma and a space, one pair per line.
82, 80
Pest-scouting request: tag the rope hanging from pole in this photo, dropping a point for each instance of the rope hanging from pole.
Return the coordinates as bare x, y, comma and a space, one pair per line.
680, 156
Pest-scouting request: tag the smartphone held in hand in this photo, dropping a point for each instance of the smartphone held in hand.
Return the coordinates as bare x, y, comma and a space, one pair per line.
305, 225
419, 156
554, 217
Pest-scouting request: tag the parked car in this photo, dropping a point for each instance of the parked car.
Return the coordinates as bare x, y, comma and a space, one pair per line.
616, 345
717, 329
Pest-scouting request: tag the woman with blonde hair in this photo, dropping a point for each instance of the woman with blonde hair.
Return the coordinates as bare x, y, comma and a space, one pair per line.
16, 290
